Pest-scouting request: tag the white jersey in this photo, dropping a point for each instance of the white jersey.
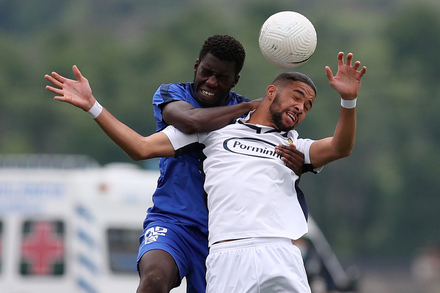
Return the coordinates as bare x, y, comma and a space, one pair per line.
251, 192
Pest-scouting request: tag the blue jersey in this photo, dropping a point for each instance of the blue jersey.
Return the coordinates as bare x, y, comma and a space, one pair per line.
179, 197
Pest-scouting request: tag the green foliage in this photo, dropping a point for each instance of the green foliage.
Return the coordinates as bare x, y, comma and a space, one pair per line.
383, 199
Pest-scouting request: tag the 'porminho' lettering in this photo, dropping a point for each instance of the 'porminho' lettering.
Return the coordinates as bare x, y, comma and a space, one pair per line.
254, 149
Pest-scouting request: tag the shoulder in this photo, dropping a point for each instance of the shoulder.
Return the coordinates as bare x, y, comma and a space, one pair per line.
302, 144
170, 88
237, 97
293, 134
299, 141
169, 92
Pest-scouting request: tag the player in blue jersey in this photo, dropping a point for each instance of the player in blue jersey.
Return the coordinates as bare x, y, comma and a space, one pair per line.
179, 201
174, 243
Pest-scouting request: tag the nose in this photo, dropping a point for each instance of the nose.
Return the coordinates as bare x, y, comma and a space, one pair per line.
212, 81
299, 107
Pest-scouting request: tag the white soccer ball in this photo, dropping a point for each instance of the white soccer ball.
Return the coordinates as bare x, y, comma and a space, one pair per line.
287, 39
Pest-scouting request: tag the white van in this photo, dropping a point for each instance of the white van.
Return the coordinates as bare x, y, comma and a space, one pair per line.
70, 225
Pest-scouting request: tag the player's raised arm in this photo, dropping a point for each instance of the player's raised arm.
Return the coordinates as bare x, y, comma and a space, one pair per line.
346, 82
79, 93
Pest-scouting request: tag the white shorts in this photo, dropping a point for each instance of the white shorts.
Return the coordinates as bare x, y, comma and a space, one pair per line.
257, 265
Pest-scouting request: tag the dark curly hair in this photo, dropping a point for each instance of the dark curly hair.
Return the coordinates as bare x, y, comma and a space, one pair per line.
282, 79
225, 48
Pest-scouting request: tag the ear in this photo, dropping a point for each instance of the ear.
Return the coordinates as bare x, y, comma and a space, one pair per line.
237, 78
271, 92
196, 65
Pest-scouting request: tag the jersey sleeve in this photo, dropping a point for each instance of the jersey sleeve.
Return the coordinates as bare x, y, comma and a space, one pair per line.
169, 92
166, 93
303, 145
181, 142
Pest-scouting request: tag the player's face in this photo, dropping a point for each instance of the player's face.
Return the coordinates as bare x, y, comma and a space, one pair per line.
213, 79
290, 105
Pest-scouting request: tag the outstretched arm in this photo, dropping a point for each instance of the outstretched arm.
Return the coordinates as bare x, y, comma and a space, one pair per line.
346, 82
79, 93
189, 119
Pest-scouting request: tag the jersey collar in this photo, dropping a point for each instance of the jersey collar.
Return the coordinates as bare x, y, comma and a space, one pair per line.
257, 127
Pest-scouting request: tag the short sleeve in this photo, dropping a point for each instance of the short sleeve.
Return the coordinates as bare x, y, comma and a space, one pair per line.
178, 139
303, 145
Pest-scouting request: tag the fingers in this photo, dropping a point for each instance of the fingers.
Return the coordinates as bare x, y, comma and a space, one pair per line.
77, 73
357, 65
349, 62
54, 81
54, 90
293, 158
340, 58
58, 80
349, 59
363, 71
58, 77
328, 73
59, 92
68, 90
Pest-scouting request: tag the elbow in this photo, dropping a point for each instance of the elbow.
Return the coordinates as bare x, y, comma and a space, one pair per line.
136, 158
345, 152
189, 127
139, 156
342, 150
151, 152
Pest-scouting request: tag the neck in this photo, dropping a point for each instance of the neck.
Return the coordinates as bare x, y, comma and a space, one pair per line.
261, 115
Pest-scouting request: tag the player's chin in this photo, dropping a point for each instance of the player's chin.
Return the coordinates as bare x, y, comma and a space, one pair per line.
208, 101
288, 123
286, 126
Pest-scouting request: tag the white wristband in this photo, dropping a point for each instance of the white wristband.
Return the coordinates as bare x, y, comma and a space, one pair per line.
348, 104
95, 110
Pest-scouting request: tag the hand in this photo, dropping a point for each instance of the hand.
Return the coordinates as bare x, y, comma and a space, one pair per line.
255, 103
293, 158
77, 93
347, 81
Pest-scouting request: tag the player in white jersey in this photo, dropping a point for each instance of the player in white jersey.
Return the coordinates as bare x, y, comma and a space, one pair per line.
254, 210
244, 199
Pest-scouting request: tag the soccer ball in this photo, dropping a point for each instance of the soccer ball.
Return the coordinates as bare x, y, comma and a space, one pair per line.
287, 39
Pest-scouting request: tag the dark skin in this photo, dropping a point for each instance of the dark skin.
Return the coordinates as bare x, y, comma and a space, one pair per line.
213, 79
158, 272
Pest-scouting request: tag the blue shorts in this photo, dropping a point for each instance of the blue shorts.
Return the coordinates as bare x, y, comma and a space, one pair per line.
186, 244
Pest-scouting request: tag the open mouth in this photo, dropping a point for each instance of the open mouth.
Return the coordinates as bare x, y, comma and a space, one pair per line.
292, 116
206, 93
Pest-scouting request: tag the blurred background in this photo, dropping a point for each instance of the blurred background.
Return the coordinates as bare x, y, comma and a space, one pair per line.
379, 209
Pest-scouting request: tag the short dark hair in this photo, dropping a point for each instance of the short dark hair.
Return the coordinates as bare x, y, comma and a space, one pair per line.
225, 48
282, 79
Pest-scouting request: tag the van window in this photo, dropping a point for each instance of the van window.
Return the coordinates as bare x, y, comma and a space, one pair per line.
123, 247
42, 248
